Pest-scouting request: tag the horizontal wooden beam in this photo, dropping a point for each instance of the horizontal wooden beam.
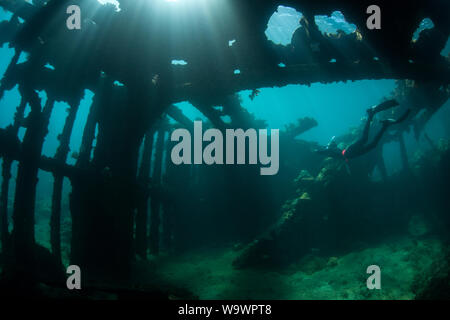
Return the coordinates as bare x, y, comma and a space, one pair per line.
211, 92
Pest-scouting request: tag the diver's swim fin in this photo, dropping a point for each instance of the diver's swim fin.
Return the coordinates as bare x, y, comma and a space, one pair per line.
385, 105
401, 119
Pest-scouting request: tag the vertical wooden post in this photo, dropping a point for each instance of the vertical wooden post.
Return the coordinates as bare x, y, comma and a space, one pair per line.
382, 167
88, 134
6, 175
77, 207
168, 206
142, 208
61, 155
155, 200
25, 195
103, 200
403, 152
380, 164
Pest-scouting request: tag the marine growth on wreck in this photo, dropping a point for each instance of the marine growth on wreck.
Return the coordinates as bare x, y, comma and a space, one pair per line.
224, 149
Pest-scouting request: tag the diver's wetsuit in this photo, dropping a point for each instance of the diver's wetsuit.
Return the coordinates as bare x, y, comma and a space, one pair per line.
361, 146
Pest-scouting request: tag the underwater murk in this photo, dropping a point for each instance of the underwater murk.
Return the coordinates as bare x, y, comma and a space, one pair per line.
224, 150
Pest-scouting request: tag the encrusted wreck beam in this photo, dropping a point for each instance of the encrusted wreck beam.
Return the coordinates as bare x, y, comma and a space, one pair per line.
57, 167
403, 152
198, 81
208, 92
142, 207
51, 165
167, 205
8, 29
6, 175
302, 125
27, 178
61, 156
54, 166
212, 114
176, 114
155, 200
213, 92
88, 134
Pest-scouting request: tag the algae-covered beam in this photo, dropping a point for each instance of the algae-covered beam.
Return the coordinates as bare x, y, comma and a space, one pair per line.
176, 114
205, 80
88, 134
403, 152
302, 125
212, 114
212, 92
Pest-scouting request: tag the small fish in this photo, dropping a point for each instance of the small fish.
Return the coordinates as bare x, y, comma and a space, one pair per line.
155, 79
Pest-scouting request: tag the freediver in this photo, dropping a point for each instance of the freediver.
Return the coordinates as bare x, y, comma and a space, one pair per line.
361, 146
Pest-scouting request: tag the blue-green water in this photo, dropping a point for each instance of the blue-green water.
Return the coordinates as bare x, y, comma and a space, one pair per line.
337, 108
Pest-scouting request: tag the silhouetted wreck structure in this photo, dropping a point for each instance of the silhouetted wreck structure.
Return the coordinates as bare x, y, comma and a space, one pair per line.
136, 46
